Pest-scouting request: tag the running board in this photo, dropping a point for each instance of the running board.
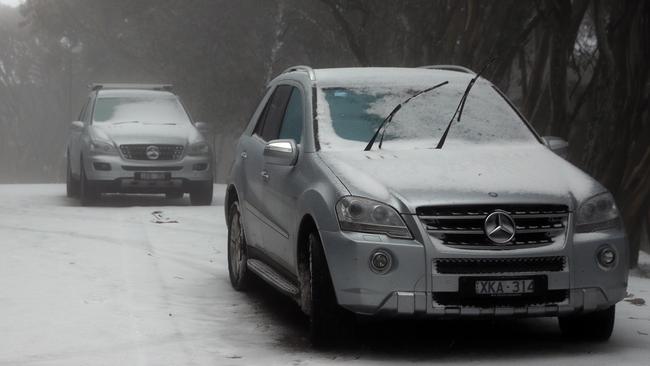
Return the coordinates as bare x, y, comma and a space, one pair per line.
271, 276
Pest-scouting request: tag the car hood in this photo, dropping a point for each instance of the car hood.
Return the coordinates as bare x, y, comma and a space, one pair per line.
473, 174
146, 133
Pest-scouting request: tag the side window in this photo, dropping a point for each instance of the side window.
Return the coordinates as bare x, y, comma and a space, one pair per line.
268, 126
293, 118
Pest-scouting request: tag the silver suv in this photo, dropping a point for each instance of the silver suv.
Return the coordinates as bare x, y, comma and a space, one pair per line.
418, 192
132, 138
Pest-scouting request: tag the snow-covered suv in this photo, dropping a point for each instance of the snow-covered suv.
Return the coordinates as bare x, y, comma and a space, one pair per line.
418, 192
137, 138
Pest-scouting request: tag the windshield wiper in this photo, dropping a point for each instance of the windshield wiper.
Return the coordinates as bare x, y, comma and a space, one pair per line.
461, 105
393, 112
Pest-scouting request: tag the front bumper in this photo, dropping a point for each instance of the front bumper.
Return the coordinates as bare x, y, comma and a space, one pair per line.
112, 173
414, 286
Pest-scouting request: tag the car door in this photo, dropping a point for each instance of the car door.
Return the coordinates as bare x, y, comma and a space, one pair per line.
282, 186
252, 150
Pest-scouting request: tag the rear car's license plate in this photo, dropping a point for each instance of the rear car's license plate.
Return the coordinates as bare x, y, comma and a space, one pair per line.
152, 176
504, 287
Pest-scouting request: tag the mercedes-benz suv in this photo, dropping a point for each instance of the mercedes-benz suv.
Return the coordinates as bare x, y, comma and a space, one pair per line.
136, 138
418, 192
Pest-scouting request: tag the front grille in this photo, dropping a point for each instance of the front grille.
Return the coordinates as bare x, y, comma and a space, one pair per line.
499, 265
463, 226
457, 299
139, 152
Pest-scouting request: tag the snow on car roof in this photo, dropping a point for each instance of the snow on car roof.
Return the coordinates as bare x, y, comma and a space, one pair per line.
377, 76
133, 92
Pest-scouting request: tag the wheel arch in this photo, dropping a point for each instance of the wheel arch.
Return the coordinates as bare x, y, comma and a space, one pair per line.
231, 196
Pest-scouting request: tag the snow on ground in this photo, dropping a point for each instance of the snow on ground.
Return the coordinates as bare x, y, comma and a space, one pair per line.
106, 286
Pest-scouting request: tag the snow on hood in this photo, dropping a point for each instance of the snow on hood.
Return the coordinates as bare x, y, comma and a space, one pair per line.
462, 174
142, 133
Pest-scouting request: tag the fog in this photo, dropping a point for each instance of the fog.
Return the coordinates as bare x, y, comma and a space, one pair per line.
570, 78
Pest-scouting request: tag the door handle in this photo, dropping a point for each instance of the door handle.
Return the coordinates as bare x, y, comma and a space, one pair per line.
244, 155
265, 175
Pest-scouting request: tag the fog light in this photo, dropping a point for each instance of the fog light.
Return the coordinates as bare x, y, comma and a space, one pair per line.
380, 261
102, 166
607, 257
200, 166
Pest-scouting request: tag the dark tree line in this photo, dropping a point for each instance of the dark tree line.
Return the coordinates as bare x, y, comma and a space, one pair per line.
577, 69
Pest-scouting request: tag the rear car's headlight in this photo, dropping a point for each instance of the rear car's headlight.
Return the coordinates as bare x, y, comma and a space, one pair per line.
368, 216
103, 147
597, 213
198, 148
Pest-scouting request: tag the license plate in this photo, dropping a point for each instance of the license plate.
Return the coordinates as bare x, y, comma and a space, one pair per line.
504, 287
152, 176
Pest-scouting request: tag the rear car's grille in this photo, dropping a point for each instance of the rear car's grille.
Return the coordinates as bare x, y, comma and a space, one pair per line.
139, 152
499, 265
463, 226
544, 298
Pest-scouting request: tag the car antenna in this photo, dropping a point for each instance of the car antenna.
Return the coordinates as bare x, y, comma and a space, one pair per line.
394, 111
461, 104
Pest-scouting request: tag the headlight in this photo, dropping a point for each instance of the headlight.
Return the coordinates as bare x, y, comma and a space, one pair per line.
198, 148
597, 213
368, 216
102, 147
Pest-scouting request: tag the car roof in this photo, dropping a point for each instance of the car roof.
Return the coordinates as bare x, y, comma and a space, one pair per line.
387, 76
108, 93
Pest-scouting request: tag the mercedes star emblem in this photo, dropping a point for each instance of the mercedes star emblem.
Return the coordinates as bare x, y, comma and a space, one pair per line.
153, 152
499, 227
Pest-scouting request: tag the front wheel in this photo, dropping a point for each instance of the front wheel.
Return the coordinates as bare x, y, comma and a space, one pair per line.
329, 323
594, 326
240, 277
88, 193
201, 194
71, 185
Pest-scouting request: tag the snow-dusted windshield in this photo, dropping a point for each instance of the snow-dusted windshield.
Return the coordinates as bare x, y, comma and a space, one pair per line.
348, 117
145, 109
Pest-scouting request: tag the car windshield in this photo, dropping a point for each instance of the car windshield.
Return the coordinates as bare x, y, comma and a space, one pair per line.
144, 109
348, 117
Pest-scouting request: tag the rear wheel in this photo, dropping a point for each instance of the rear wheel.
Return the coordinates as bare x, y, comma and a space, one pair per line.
595, 326
88, 193
329, 323
71, 184
201, 194
240, 277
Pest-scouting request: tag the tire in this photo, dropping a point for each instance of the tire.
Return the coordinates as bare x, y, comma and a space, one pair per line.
88, 193
329, 323
71, 185
240, 277
174, 195
201, 194
595, 326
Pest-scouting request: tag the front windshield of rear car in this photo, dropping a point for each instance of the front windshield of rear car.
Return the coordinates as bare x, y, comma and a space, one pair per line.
141, 109
348, 117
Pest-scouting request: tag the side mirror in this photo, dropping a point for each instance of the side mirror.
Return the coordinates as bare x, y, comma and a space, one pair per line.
77, 126
557, 145
281, 152
203, 127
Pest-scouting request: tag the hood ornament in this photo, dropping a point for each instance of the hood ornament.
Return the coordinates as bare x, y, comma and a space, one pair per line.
153, 153
499, 227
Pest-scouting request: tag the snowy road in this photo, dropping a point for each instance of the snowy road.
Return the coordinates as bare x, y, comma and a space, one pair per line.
107, 286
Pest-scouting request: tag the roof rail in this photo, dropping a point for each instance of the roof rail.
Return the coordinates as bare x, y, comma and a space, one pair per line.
98, 86
449, 67
307, 69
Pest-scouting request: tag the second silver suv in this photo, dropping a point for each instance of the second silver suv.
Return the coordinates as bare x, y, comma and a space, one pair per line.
132, 138
421, 193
